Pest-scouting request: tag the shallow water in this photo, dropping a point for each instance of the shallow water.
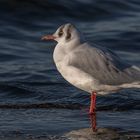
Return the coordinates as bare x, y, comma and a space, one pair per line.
34, 98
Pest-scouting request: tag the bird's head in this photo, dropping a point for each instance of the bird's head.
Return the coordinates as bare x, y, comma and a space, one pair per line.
65, 34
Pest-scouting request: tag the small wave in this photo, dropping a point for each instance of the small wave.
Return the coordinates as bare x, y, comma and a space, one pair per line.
126, 107
120, 107
41, 106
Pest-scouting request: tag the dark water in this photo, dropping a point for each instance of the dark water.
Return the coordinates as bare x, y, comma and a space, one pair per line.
34, 98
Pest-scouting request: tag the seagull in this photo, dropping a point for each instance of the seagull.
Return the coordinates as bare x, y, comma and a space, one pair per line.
91, 68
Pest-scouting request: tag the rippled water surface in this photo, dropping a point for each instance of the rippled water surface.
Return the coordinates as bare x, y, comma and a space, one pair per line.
34, 98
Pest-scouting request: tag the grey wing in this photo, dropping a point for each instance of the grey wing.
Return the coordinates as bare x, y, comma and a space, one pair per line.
104, 65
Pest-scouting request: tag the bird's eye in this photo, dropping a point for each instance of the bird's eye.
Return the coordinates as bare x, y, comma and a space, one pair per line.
60, 33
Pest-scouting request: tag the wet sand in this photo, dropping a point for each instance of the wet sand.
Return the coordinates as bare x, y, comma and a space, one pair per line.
82, 134
100, 134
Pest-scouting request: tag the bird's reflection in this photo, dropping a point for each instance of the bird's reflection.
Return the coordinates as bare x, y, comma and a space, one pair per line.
93, 121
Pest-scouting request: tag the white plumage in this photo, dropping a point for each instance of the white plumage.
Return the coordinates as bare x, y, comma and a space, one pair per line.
91, 67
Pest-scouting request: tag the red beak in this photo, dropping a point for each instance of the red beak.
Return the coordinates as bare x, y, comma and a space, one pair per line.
48, 37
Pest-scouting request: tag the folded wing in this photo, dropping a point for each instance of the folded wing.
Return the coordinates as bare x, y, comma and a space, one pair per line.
103, 65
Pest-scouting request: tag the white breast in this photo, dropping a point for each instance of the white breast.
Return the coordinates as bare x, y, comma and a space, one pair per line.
76, 77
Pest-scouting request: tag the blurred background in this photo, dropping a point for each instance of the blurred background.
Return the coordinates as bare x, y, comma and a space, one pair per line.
34, 98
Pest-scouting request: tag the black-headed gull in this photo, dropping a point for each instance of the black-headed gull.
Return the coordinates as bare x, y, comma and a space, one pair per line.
91, 68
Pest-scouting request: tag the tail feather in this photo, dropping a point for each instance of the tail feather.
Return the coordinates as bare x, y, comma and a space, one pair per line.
136, 68
132, 85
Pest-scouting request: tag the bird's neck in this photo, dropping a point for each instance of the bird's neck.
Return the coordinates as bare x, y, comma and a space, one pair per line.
63, 49
59, 53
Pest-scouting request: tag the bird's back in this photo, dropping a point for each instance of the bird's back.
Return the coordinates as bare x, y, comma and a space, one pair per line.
103, 65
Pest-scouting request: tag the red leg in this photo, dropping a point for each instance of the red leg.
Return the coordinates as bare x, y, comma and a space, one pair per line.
92, 111
93, 121
92, 103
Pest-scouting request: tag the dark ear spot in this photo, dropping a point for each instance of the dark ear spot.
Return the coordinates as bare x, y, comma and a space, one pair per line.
68, 36
60, 33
